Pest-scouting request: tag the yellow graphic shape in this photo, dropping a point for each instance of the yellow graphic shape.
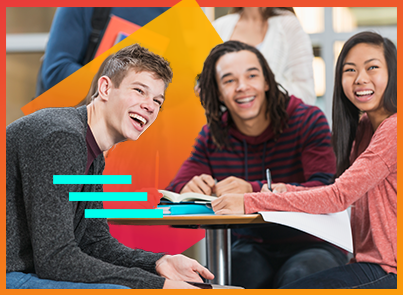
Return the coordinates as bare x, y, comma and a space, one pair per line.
184, 36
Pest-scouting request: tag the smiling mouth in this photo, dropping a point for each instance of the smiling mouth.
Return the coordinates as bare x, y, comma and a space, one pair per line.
245, 100
139, 119
364, 93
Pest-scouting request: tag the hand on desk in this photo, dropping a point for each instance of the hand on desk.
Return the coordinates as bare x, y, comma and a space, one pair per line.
232, 185
205, 184
229, 204
179, 268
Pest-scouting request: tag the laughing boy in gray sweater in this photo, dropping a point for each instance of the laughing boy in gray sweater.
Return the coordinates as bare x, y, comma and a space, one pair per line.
50, 244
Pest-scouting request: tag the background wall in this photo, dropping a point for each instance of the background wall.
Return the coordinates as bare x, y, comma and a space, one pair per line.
27, 29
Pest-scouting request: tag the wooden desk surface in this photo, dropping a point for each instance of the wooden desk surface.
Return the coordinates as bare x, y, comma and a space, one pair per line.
190, 220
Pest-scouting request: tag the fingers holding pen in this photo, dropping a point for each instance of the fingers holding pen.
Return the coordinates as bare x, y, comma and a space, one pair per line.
276, 188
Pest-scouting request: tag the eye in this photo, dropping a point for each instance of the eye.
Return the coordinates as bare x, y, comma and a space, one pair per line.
139, 90
228, 81
348, 70
373, 67
159, 102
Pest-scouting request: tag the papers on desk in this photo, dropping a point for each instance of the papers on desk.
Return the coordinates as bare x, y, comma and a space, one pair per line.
333, 228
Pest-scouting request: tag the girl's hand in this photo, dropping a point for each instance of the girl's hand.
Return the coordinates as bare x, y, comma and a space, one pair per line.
277, 188
229, 204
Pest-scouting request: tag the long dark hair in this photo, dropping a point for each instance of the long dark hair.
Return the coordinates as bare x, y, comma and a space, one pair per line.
266, 12
345, 114
277, 100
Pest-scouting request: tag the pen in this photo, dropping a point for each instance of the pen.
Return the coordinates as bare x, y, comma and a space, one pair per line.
268, 177
213, 193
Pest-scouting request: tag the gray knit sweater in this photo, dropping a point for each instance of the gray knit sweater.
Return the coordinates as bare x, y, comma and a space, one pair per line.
46, 233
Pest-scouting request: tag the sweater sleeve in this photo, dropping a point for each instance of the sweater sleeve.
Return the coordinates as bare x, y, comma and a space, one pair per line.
68, 41
317, 156
98, 242
298, 70
50, 219
196, 164
369, 170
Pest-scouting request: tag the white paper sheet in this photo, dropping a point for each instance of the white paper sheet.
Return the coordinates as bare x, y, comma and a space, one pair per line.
334, 228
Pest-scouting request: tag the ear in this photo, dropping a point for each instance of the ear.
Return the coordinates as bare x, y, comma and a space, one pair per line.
104, 87
266, 86
220, 97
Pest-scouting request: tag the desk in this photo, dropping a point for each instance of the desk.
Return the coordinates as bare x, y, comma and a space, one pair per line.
218, 236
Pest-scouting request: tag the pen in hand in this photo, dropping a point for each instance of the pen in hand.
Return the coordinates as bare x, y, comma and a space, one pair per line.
213, 194
268, 178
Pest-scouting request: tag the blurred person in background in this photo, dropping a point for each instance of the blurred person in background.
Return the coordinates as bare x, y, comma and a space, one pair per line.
75, 34
277, 33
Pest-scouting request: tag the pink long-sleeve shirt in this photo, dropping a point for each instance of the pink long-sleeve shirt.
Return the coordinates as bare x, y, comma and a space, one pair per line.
369, 186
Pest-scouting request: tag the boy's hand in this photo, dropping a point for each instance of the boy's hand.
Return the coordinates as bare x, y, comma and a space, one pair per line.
202, 184
181, 268
233, 185
276, 187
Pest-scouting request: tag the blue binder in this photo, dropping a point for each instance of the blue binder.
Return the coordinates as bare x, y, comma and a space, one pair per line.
180, 209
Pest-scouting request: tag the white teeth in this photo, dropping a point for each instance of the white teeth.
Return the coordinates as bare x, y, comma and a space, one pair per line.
364, 92
138, 117
246, 99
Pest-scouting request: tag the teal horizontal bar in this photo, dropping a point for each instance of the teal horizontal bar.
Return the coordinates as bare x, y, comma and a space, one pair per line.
123, 213
92, 179
107, 196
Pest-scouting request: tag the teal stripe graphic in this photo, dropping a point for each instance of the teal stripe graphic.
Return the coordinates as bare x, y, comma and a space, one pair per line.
107, 196
123, 213
92, 179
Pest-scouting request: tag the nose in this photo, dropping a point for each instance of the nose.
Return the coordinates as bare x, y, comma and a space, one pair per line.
242, 85
148, 104
362, 78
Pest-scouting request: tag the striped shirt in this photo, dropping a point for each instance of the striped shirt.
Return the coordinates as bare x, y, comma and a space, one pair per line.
302, 155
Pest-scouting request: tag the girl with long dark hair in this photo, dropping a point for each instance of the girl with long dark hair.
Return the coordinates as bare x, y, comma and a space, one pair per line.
365, 143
